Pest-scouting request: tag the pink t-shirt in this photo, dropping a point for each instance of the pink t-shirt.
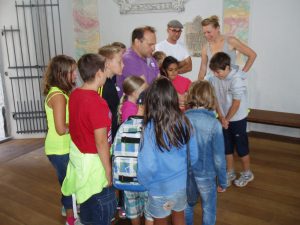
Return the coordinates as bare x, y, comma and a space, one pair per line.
128, 109
181, 84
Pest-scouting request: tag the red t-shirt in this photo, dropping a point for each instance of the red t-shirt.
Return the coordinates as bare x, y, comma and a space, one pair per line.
181, 84
87, 112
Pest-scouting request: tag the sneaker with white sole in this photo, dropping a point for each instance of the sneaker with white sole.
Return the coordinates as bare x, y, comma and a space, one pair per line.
230, 177
244, 179
63, 211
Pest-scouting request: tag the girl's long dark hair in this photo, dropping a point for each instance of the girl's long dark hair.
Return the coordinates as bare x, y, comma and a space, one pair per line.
172, 127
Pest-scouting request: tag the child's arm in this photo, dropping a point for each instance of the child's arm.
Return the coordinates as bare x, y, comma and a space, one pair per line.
233, 109
221, 117
58, 104
103, 151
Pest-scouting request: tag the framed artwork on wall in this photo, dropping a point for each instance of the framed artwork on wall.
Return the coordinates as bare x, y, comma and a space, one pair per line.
150, 6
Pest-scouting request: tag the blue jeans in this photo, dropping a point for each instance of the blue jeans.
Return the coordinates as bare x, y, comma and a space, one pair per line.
100, 208
208, 194
60, 163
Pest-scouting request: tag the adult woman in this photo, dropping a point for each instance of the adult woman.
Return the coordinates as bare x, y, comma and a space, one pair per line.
218, 42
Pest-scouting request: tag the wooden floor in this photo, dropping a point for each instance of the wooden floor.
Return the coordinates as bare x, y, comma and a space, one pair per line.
29, 191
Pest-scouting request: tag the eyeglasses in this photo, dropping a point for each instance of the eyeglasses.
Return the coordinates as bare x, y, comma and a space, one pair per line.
175, 30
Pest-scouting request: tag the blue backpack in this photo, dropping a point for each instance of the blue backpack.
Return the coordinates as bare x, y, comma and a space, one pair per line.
125, 149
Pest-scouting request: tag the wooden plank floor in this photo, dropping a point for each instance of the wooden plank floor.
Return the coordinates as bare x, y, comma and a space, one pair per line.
29, 191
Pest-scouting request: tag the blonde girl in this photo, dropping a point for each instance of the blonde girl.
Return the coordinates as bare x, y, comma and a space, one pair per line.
133, 86
217, 42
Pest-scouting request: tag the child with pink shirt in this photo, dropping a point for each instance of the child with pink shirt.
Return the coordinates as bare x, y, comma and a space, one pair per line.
181, 84
132, 87
134, 201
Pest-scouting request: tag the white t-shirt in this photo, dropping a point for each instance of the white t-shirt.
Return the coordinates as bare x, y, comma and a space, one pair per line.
177, 50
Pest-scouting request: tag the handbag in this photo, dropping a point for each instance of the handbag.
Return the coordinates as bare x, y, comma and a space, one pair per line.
191, 185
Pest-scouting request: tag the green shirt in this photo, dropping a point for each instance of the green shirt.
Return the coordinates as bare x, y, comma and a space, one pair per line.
85, 175
56, 144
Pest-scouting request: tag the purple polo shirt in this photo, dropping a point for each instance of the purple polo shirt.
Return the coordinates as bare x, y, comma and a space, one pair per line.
134, 65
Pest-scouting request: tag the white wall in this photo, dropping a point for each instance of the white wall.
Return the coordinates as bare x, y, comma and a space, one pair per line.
274, 35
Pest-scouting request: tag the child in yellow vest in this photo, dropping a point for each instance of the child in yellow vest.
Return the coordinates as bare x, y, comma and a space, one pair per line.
59, 81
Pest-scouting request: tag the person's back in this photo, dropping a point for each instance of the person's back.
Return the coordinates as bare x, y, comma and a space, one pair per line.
210, 166
206, 127
162, 161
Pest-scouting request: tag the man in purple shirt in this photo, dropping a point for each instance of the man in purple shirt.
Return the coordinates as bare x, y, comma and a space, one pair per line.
138, 60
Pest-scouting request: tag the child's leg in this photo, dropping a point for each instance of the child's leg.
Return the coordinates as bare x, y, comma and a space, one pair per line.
60, 163
136, 221
162, 221
208, 193
243, 152
229, 149
229, 163
246, 162
189, 215
148, 222
178, 218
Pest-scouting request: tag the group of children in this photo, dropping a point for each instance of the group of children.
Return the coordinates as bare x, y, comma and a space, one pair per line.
176, 114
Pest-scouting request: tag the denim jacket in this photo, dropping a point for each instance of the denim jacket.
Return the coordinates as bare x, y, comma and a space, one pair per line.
210, 145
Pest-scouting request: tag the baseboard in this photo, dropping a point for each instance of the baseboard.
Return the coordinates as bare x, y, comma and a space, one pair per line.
276, 137
2, 140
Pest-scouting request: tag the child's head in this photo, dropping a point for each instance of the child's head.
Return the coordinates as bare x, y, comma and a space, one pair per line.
114, 63
201, 94
169, 67
159, 56
161, 107
120, 45
220, 65
133, 86
61, 73
90, 66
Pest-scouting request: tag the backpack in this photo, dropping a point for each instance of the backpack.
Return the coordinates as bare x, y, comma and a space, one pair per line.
125, 149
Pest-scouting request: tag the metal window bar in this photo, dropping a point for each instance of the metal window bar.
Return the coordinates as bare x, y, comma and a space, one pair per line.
29, 47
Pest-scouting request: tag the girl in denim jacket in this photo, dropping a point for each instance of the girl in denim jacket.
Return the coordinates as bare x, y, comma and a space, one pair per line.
211, 163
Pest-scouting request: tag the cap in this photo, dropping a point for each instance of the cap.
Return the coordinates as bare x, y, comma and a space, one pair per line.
175, 24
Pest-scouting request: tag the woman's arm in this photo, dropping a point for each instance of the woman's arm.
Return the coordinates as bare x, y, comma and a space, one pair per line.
204, 62
58, 104
245, 50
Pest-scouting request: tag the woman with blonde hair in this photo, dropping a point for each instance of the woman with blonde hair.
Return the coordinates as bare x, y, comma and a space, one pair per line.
217, 42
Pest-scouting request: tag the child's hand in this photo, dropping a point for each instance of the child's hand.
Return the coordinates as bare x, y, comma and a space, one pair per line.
224, 122
220, 190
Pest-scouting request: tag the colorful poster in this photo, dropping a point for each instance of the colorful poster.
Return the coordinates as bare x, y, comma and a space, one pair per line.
86, 27
236, 21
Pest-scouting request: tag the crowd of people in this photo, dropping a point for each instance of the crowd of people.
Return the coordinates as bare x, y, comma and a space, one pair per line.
207, 116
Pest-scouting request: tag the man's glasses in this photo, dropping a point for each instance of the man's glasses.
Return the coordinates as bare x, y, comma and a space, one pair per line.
175, 30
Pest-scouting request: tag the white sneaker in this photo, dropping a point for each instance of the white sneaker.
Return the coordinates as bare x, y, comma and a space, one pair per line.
244, 179
230, 177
